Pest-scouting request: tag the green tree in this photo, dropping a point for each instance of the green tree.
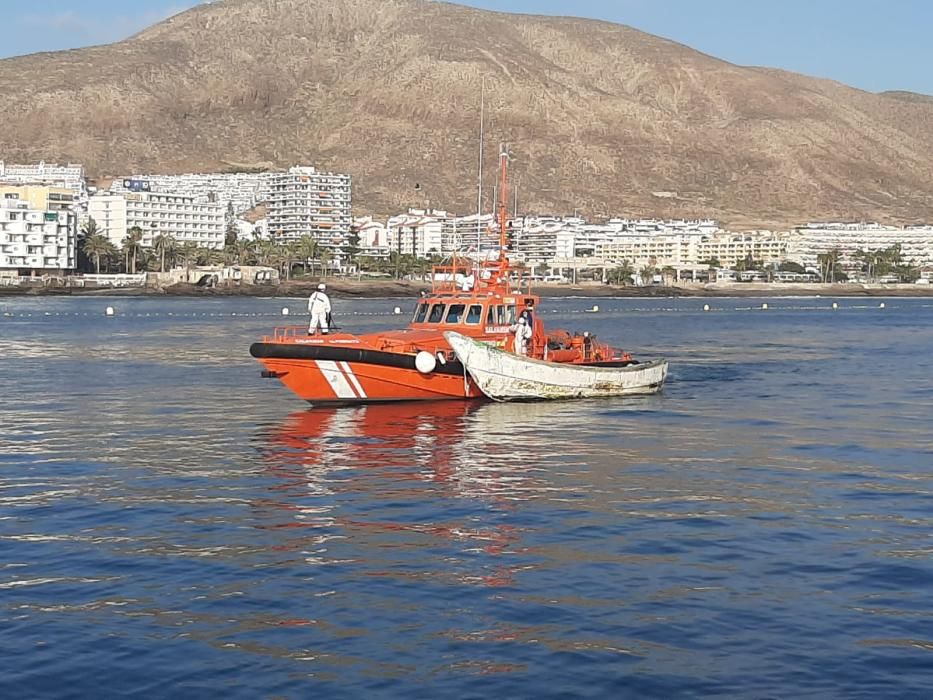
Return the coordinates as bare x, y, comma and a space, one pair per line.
353, 245
132, 245
188, 253
90, 228
232, 231
647, 273
788, 266
325, 256
163, 245
828, 263
747, 263
711, 262
245, 252
307, 250
622, 274
97, 246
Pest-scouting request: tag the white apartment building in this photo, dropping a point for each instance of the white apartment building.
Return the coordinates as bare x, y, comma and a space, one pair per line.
815, 239
181, 217
305, 202
730, 248
33, 241
243, 190
419, 232
374, 236
109, 214
71, 176
681, 249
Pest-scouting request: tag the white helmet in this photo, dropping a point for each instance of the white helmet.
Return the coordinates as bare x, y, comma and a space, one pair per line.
322, 287
522, 320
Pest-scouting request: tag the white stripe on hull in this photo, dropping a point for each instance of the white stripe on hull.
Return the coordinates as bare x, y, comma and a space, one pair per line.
348, 371
337, 380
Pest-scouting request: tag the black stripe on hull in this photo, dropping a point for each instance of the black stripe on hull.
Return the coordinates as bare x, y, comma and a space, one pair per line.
290, 351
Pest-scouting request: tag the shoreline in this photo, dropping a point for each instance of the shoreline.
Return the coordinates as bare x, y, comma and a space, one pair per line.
406, 289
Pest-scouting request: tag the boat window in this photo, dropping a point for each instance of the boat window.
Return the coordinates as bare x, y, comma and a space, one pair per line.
510, 317
455, 312
437, 313
421, 313
475, 314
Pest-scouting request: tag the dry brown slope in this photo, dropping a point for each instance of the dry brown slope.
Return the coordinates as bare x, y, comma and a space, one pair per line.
599, 115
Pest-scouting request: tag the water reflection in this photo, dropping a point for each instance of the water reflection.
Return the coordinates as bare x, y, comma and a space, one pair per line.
472, 449
370, 479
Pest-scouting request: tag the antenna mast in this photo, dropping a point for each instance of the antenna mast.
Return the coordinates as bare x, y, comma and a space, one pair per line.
503, 201
482, 133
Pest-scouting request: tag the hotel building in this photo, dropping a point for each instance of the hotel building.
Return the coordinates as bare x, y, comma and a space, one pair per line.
305, 202
178, 216
35, 240
815, 239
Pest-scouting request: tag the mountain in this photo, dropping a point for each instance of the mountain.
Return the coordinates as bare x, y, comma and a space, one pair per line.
601, 117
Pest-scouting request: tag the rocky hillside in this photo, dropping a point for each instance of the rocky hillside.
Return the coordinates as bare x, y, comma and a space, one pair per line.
601, 117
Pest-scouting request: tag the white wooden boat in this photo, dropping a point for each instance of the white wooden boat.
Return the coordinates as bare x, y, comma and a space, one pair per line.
504, 376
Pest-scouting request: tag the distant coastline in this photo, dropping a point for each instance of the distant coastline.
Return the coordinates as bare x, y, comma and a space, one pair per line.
400, 289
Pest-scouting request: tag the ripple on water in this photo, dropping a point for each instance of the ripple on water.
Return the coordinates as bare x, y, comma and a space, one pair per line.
761, 529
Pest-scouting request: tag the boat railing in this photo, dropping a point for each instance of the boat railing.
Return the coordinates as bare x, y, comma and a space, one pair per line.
488, 276
285, 333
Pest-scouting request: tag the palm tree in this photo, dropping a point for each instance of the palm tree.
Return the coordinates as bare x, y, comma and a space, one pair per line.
188, 253
647, 273
266, 250
622, 274
163, 244
131, 246
95, 246
827, 263
244, 251
209, 256
90, 228
325, 256
307, 250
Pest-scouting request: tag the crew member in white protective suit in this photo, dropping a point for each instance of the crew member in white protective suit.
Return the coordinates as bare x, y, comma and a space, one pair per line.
523, 334
468, 283
319, 307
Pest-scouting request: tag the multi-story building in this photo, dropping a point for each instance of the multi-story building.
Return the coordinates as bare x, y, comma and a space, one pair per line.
815, 239
692, 249
305, 202
109, 214
42, 197
730, 248
374, 237
36, 241
241, 190
419, 232
70, 176
181, 217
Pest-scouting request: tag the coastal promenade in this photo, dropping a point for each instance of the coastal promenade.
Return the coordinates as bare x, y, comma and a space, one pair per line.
376, 289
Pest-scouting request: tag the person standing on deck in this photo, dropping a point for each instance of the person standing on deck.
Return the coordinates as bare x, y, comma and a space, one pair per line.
523, 334
319, 307
529, 313
468, 282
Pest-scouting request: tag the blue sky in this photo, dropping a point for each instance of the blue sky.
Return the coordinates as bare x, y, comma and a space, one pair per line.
871, 44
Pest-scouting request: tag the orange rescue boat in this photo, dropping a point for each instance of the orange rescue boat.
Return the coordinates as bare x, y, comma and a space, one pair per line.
480, 299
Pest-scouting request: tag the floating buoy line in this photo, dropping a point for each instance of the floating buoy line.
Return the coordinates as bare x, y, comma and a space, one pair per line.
113, 312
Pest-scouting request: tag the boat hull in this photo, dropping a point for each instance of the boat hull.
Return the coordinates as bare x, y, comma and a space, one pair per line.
343, 376
504, 376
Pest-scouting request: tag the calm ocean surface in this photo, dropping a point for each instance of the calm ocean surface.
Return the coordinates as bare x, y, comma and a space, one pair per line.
173, 525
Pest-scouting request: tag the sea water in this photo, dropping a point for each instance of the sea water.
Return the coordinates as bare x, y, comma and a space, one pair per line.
172, 524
